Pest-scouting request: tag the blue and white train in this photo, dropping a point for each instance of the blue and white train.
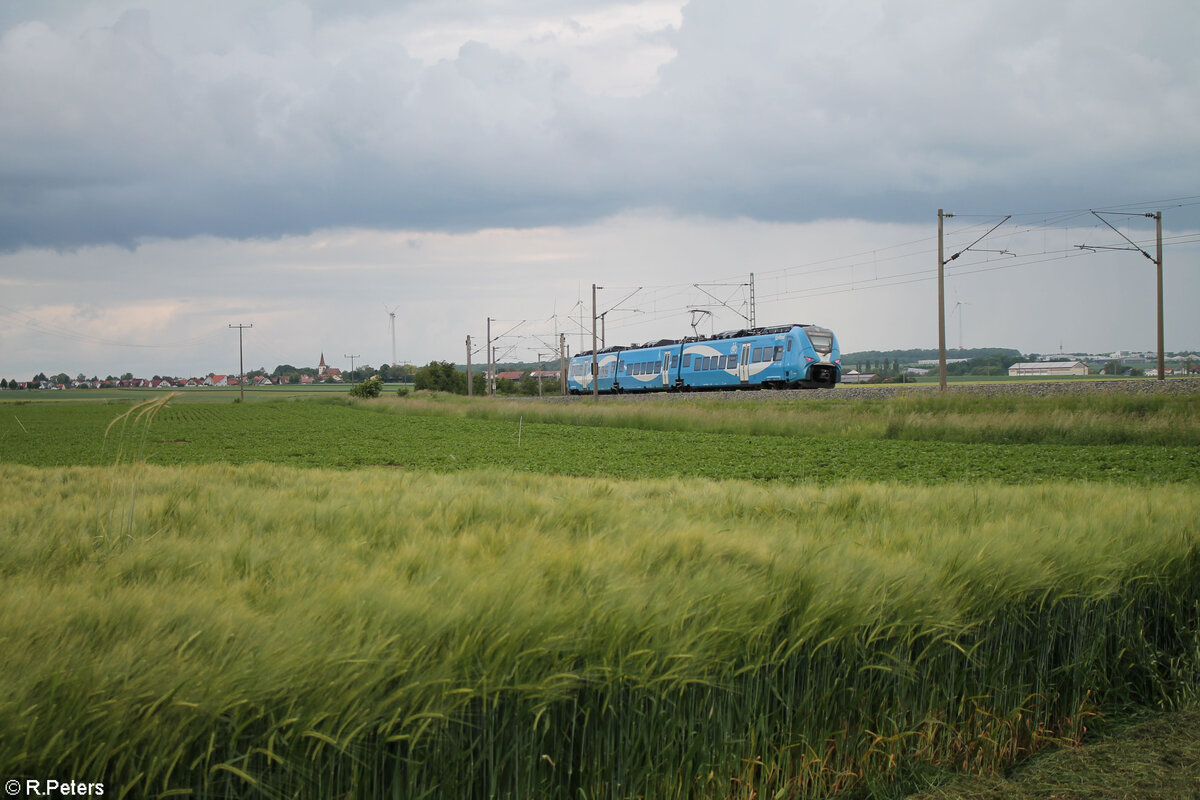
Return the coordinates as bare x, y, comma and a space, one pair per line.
785, 356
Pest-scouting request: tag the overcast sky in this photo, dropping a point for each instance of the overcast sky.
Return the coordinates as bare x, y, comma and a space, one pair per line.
170, 168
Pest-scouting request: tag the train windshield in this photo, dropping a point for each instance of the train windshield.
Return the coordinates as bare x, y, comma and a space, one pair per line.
822, 341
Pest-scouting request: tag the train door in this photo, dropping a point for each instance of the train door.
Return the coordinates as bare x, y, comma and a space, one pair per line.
666, 369
744, 363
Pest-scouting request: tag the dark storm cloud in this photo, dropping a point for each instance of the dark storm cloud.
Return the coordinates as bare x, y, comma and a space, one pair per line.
267, 119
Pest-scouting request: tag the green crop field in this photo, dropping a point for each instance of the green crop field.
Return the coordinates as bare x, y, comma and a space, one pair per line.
873, 442
698, 599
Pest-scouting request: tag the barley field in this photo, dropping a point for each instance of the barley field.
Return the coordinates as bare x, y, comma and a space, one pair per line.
219, 618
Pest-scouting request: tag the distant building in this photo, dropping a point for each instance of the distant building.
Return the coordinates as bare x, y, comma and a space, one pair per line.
327, 373
1047, 368
854, 376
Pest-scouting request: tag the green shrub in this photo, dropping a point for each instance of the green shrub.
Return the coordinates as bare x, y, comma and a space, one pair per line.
371, 387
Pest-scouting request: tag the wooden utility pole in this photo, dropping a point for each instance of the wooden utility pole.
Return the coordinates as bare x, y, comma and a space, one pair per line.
941, 303
470, 387
351, 357
1162, 362
1158, 262
241, 361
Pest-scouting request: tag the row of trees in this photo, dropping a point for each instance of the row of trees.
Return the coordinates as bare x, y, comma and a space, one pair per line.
882, 366
400, 373
442, 376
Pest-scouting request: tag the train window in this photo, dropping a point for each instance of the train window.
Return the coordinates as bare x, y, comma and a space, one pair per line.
821, 342
779, 350
674, 360
687, 359
757, 357
731, 361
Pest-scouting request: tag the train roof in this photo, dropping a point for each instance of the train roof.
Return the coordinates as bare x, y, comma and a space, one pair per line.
734, 334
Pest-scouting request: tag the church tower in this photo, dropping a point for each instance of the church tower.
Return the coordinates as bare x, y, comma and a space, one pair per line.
321, 367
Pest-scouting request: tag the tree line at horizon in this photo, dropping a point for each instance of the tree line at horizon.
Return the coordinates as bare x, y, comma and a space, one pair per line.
441, 375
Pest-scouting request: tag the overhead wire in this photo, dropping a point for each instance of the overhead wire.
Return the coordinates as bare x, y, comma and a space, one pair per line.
1030, 223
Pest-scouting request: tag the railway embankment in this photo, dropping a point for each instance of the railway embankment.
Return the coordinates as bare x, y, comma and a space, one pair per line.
1050, 388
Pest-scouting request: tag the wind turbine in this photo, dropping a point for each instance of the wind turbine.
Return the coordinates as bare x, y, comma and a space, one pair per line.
958, 310
392, 314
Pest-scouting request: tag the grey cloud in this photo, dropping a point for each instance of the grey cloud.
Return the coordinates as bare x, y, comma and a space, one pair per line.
259, 120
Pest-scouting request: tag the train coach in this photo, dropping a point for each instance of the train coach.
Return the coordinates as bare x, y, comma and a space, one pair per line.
784, 356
